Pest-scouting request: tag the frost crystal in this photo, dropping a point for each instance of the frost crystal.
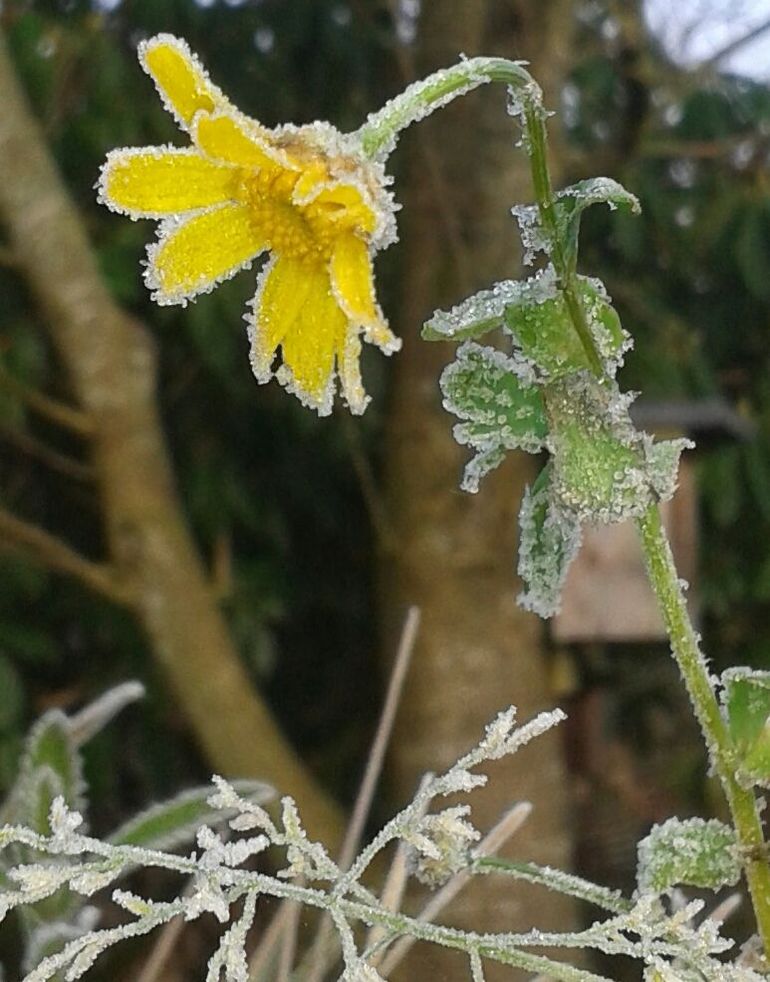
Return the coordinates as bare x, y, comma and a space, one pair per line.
534, 238
442, 844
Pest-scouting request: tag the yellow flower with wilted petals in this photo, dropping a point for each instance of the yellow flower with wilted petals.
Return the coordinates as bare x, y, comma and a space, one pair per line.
305, 194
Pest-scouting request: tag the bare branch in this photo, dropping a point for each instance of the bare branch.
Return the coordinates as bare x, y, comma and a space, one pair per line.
47, 550
737, 44
52, 459
58, 413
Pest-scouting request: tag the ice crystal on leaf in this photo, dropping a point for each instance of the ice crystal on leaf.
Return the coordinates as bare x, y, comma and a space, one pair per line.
307, 195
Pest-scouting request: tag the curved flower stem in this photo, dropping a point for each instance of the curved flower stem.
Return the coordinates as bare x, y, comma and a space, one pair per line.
378, 135
692, 665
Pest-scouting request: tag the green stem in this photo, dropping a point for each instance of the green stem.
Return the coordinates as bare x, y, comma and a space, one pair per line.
379, 133
692, 665
537, 143
565, 883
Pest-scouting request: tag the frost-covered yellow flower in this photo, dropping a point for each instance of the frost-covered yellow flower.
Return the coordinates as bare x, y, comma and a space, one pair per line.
305, 194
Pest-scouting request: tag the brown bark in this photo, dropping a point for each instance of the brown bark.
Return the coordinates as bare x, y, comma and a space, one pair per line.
451, 553
111, 366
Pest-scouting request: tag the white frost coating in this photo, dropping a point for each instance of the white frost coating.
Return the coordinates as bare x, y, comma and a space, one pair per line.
534, 238
442, 844
549, 539
475, 316
230, 957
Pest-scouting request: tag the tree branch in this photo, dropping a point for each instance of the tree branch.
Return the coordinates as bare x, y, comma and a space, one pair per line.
47, 550
736, 45
57, 412
51, 458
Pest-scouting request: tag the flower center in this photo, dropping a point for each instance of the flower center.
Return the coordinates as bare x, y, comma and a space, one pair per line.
299, 231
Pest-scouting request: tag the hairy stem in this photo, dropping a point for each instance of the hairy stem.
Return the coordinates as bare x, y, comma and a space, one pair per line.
379, 133
692, 665
536, 144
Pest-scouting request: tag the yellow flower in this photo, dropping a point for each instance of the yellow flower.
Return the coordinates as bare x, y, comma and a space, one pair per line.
307, 195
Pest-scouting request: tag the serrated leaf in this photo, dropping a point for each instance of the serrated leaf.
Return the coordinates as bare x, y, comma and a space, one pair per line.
691, 852
173, 822
541, 325
572, 201
501, 407
746, 698
549, 538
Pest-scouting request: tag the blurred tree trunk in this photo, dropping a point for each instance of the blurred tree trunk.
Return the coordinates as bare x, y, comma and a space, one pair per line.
452, 553
152, 567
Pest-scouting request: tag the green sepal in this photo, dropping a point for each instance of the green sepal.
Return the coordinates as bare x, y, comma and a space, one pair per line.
691, 852
746, 699
549, 538
171, 823
572, 201
541, 326
500, 404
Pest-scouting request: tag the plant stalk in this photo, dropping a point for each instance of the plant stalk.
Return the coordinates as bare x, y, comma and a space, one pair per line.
692, 664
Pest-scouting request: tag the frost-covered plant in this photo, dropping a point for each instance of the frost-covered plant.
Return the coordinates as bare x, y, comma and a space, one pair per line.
318, 201
50, 782
675, 944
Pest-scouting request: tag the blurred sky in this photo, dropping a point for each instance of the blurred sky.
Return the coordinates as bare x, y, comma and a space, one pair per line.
693, 31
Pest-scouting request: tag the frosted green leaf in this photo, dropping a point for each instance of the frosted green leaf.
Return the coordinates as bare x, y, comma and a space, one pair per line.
170, 823
50, 766
500, 405
475, 316
746, 698
691, 852
599, 470
540, 323
549, 539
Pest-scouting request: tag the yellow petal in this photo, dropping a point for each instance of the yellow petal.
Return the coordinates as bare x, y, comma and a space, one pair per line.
349, 367
353, 283
152, 182
309, 347
208, 248
181, 80
226, 136
353, 279
284, 287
